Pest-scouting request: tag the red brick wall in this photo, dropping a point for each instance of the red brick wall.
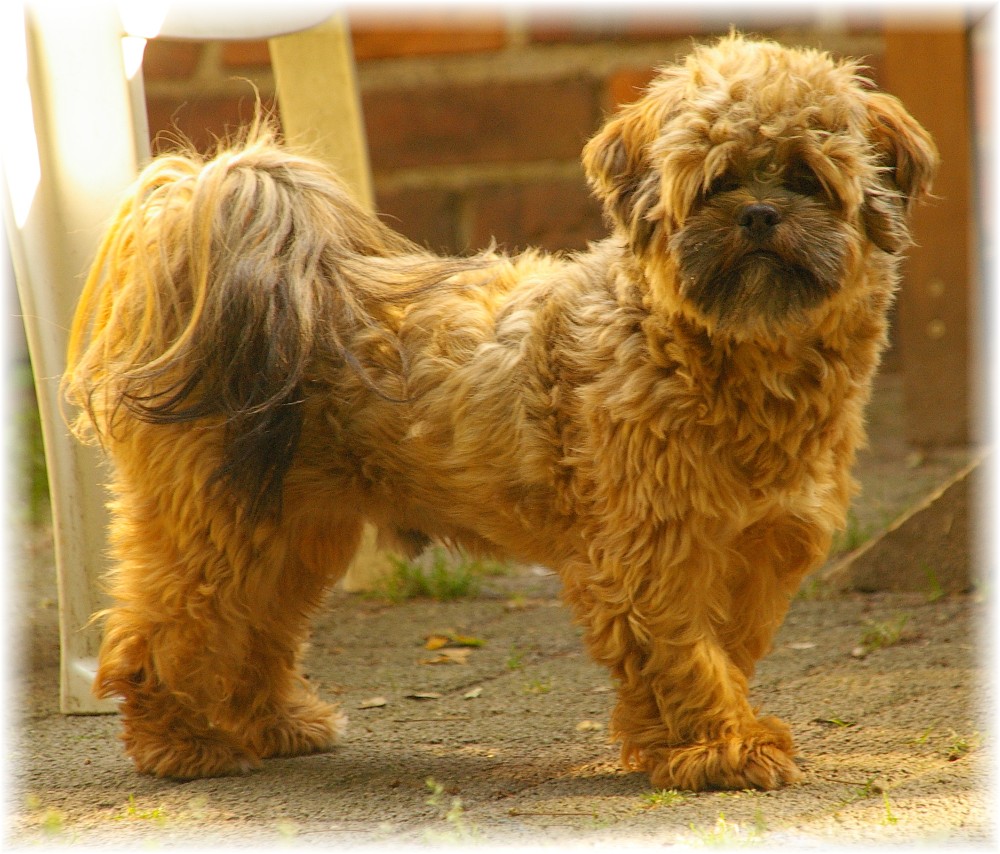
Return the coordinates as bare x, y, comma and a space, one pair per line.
474, 120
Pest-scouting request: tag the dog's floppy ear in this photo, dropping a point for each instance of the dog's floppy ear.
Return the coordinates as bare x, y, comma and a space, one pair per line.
616, 161
910, 159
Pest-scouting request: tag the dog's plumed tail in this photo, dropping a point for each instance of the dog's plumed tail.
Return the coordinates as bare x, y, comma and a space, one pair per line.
217, 283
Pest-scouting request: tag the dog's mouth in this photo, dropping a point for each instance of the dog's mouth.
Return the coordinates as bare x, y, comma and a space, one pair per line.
734, 284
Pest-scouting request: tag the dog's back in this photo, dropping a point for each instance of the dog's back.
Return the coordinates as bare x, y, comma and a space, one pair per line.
219, 284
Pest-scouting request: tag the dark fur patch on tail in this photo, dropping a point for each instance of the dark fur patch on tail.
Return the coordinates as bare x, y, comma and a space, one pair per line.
218, 284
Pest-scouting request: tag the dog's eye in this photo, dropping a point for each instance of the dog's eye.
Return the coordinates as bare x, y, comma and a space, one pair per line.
802, 181
724, 183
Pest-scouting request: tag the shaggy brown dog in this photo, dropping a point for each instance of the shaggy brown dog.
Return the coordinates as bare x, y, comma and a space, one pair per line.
669, 419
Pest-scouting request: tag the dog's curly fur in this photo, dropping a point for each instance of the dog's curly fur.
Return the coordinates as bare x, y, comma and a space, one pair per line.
669, 418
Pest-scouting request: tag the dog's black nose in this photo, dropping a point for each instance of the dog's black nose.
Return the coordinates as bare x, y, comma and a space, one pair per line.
758, 218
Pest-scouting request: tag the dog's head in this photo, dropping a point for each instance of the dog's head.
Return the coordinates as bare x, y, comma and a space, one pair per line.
753, 181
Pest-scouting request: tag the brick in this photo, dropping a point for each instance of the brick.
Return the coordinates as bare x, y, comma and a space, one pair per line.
428, 217
618, 28
201, 119
542, 31
426, 35
873, 67
482, 123
553, 215
626, 86
171, 59
861, 22
245, 54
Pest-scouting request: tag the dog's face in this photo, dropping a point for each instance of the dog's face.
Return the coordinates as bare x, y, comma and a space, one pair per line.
753, 181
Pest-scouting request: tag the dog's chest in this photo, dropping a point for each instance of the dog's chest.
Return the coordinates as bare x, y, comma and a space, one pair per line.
668, 440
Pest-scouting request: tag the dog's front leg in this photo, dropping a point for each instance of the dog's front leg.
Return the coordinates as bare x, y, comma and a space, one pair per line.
683, 712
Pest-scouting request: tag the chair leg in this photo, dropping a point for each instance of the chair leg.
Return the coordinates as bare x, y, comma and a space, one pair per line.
73, 58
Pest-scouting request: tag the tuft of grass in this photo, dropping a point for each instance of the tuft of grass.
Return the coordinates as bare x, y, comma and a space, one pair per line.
868, 789
813, 589
133, 813
934, 589
854, 535
880, 634
840, 723
538, 686
443, 577
663, 798
459, 828
729, 834
51, 821
515, 661
960, 745
889, 818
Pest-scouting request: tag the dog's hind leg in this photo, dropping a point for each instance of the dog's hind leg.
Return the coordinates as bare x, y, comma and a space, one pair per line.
209, 616
294, 720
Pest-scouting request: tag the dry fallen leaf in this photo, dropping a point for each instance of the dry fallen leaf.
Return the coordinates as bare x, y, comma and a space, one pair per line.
437, 640
801, 645
372, 703
449, 656
471, 695
423, 695
589, 726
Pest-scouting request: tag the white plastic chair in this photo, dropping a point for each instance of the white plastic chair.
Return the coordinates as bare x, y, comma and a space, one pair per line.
78, 138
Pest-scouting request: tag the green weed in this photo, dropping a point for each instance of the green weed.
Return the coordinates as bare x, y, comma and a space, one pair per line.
959, 745
880, 634
813, 589
854, 535
50, 821
934, 589
663, 798
889, 818
446, 577
515, 661
459, 828
840, 723
725, 833
868, 789
133, 813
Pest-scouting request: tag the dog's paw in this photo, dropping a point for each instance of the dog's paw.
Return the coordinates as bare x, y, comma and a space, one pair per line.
307, 726
189, 757
759, 760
